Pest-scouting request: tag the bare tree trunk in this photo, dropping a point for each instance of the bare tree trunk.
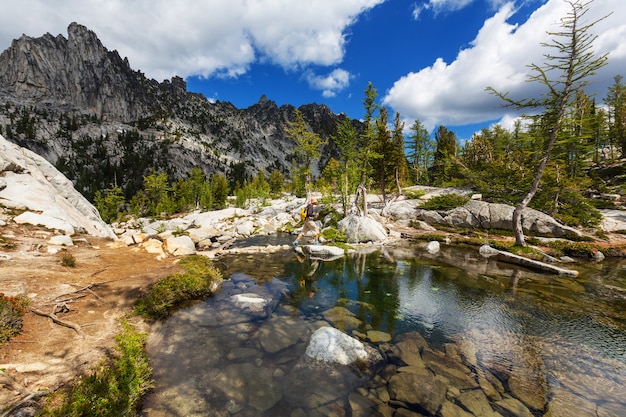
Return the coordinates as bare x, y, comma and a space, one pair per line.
397, 178
517, 213
361, 194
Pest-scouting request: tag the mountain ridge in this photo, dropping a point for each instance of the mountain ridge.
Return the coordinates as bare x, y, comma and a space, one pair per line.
84, 109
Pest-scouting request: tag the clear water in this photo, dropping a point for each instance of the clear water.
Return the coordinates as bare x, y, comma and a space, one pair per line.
574, 327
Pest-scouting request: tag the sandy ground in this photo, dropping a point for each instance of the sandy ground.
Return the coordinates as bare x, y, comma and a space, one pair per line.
92, 296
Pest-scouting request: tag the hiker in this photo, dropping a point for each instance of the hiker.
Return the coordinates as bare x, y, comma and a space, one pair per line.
309, 223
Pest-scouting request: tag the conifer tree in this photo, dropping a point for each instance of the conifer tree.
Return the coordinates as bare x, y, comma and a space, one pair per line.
398, 155
616, 102
420, 151
445, 154
308, 146
382, 146
346, 140
564, 73
366, 148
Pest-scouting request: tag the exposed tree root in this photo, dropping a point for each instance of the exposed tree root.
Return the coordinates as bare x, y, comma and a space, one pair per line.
57, 320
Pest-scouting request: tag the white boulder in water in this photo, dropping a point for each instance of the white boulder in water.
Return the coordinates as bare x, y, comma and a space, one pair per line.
331, 345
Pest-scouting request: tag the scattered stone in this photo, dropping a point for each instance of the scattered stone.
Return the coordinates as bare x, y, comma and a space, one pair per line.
426, 391
179, 246
376, 336
61, 240
433, 247
342, 318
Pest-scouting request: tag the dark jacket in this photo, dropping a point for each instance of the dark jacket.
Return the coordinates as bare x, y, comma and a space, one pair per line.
310, 211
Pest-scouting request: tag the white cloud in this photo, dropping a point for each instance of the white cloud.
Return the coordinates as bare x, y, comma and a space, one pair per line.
331, 84
454, 93
448, 5
440, 6
188, 37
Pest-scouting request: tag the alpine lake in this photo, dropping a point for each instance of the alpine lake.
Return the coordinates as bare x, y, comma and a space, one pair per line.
495, 339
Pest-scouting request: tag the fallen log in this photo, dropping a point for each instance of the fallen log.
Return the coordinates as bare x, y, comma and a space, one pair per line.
487, 251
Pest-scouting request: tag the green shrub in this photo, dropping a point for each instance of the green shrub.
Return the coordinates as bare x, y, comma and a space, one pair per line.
11, 314
67, 259
115, 387
432, 236
445, 202
334, 235
414, 194
575, 249
196, 282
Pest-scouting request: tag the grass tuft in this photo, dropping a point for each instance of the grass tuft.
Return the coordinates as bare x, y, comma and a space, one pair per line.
115, 386
196, 282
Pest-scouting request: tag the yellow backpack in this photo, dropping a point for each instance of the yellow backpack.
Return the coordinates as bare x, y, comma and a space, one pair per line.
303, 213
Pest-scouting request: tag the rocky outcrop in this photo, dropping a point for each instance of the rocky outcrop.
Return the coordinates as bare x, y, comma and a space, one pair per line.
30, 184
360, 229
480, 214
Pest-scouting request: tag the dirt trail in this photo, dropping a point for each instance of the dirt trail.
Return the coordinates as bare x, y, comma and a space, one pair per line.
93, 295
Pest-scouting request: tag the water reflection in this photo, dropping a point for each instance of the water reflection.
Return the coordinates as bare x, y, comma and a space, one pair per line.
545, 338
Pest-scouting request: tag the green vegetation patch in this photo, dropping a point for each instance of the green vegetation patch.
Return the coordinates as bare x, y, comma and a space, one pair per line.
67, 259
11, 314
575, 249
414, 194
116, 385
333, 234
196, 282
445, 202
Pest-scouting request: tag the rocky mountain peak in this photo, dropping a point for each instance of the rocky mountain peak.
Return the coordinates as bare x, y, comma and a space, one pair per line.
84, 109
78, 71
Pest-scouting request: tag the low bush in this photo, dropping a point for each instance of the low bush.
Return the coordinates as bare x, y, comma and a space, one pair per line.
444, 202
114, 388
196, 282
11, 313
334, 235
575, 249
414, 194
67, 259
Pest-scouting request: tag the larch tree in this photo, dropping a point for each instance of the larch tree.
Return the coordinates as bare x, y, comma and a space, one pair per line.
564, 73
420, 151
446, 151
366, 148
398, 154
382, 146
346, 141
308, 146
616, 102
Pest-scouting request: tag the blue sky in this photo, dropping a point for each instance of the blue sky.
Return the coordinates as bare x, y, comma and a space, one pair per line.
430, 60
